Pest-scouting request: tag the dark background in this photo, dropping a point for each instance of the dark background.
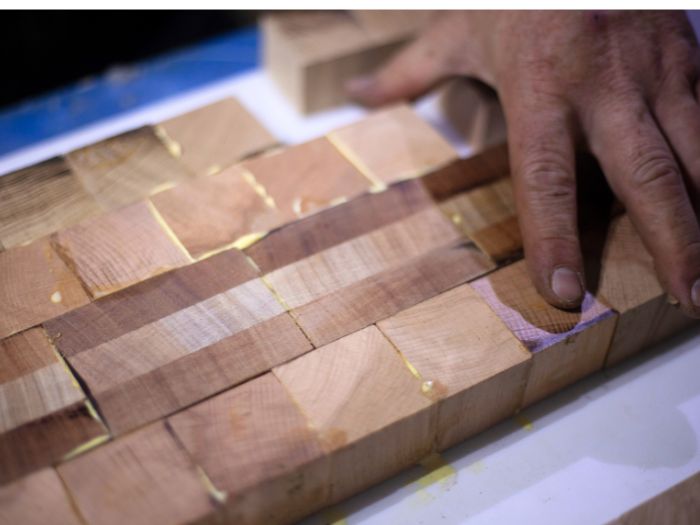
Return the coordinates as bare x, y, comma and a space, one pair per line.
44, 50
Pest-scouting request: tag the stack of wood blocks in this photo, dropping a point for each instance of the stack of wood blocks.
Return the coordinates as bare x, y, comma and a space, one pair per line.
186, 337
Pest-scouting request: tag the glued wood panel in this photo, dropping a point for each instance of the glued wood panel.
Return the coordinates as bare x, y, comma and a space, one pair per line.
393, 144
39, 200
371, 416
215, 136
119, 248
142, 478
467, 359
37, 499
306, 177
35, 285
566, 345
210, 212
126, 168
256, 446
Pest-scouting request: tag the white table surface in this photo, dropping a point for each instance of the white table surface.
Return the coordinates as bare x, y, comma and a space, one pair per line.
584, 455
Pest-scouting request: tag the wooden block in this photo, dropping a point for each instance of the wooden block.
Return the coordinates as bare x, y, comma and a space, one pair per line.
35, 285
390, 23
338, 224
144, 477
393, 144
257, 448
468, 360
628, 284
370, 413
487, 216
215, 136
126, 168
214, 211
379, 296
37, 499
119, 248
39, 200
565, 345
307, 177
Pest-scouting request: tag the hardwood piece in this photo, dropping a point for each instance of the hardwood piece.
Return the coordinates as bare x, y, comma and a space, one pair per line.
338, 224
487, 216
565, 345
372, 418
144, 477
468, 360
35, 285
216, 136
393, 144
629, 285
119, 248
37, 499
214, 211
126, 168
391, 23
320, 274
39, 200
384, 294
306, 177
257, 448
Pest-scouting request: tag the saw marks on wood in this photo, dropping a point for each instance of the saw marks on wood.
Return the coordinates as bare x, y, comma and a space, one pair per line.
565, 345
215, 136
393, 144
258, 449
467, 359
142, 478
40, 200
119, 248
367, 407
35, 285
127, 168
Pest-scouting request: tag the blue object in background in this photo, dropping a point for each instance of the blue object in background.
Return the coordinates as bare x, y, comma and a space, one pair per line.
125, 88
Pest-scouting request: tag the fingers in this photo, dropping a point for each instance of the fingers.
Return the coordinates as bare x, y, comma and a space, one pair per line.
644, 174
541, 147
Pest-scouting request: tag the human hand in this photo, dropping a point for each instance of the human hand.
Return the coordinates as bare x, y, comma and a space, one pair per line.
624, 86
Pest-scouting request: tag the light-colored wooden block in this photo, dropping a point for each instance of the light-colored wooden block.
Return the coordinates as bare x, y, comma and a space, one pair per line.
467, 359
39, 200
215, 136
127, 168
307, 177
144, 477
119, 248
215, 211
35, 285
37, 499
565, 345
628, 284
370, 413
393, 144
258, 449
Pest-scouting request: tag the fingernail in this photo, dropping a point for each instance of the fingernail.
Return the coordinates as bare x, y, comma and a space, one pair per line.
695, 293
670, 299
360, 85
566, 285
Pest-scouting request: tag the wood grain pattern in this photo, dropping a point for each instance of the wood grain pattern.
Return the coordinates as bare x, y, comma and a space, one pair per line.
307, 177
216, 136
119, 248
468, 360
35, 285
214, 211
141, 478
39, 200
37, 499
393, 144
127, 168
628, 284
366, 406
565, 345
256, 447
